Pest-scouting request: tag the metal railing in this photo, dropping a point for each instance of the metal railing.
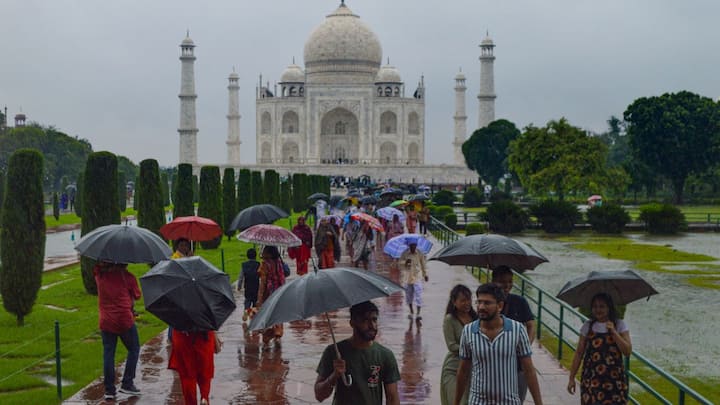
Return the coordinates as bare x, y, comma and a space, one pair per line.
563, 323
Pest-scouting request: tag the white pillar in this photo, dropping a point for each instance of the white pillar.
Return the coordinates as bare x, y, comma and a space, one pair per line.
460, 119
188, 123
487, 96
233, 117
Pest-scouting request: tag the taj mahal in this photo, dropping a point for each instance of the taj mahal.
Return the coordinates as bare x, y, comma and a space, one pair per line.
345, 113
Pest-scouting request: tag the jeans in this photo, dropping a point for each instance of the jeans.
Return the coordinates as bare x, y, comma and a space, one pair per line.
131, 340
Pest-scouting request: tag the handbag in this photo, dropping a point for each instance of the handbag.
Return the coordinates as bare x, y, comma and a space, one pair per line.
286, 268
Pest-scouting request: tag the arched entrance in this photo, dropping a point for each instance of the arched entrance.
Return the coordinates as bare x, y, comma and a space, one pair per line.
339, 134
290, 152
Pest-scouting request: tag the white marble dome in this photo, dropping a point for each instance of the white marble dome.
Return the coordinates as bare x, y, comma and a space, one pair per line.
344, 44
293, 74
388, 74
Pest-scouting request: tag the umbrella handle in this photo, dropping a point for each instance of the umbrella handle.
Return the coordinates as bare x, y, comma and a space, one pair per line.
346, 378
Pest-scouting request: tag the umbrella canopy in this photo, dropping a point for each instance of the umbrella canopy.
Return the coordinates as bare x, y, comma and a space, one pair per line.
398, 203
335, 200
372, 221
319, 292
189, 294
594, 197
368, 200
264, 234
623, 286
390, 191
354, 193
419, 197
387, 213
123, 244
257, 214
490, 251
399, 244
191, 228
318, 196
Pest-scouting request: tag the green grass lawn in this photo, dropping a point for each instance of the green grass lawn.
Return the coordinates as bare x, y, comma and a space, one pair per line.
27, 352
70, 218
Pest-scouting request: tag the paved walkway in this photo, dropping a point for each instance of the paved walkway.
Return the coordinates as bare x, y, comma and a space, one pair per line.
244, 374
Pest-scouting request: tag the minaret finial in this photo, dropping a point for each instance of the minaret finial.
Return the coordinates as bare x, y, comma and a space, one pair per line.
342, 3
388, 60
293, 60
487, 33
187, 33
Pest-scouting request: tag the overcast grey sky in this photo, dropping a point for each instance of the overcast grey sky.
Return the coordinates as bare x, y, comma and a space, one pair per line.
108, 71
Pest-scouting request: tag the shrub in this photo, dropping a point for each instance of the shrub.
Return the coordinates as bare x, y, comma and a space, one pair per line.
608, 218
56, 206
442, 211
473, 197
499, 195
451, 221
244, 189
229, 200
257, 188
662, 218
285, 196
444, 197
299, 200
150, 209
506, 217
556, 216
100, 204
164, 188
183, 204
22, 238
210, 205
474, 228
271, 183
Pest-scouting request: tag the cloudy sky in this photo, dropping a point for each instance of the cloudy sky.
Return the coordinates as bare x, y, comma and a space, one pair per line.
108, 71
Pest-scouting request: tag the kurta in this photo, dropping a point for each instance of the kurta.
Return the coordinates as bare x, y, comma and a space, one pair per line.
452, 330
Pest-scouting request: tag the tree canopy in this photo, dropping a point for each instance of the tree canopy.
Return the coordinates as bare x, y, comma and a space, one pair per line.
560, 158
675, 135
486, 150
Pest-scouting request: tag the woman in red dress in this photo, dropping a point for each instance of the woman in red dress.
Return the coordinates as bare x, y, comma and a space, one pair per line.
271, 278
192, 356
301, 254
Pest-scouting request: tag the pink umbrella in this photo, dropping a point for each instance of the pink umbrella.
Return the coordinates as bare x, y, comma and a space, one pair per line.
372, 221
191, 228
594, 197
264, 234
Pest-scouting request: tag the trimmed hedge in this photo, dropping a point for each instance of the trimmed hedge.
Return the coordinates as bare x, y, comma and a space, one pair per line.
506, 217
443, 197
473, 197
608, 218
122, 191
256, 188
442, 211
183, 203
244, 189
475, 228
271, 185
229, 201
556, 216
210, 205
451, 221
285, 196
56, 206
150, 209
662, 218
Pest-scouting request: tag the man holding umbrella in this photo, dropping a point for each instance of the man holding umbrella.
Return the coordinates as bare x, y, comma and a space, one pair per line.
415, 274
373, 367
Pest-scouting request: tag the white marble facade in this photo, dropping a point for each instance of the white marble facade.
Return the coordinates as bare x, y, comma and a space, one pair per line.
344, 107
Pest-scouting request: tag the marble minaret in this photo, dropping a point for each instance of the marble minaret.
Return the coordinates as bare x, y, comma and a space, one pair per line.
188, 123
487, 96
460, 119
233, 117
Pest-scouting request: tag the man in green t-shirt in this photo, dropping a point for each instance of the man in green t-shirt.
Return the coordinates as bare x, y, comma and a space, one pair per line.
372, 366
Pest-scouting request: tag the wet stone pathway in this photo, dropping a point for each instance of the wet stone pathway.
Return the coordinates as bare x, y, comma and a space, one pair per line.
285, 374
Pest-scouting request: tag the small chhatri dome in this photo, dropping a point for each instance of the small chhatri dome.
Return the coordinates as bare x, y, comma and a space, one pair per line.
187, 41
460, 76
293, 74
487, 40
388, 74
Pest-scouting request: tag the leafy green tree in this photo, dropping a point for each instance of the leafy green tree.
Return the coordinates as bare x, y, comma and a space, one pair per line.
675, 135
165, 188
22, 238
150, 210
487, 149
285, 196
229, 202
64, 184
56, 205
271, 184
257, 188
122, 191
244, 189
616, 139
210, 205
100, 204
560, 158
126, 165
183, 204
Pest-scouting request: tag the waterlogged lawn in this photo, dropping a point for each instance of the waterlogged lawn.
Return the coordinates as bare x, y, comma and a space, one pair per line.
701, 270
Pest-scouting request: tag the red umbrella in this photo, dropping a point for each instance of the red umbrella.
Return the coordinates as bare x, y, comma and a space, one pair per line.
372, 221
264, 234
191, 228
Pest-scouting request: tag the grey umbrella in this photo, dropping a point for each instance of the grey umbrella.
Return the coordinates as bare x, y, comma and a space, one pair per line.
490, 251
623, 286
255, 215
318, 196
319, 292
123, 244
189, 294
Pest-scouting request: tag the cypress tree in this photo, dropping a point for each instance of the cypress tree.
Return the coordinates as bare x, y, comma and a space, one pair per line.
297, 194
244, 189
63, 184
136, 193
78, 203
271, 184
100, 203
183, 201
164, 188
229, 202
210, 205
196, 189
122, 192
173, 196
285, 196
257, 188
2, 194
56, 206
22, 238
150, 210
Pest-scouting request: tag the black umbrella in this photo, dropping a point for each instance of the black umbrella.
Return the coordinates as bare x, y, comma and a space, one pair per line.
318, 196
335, 200
354, 193
490, 251
255, 215
623, 287
123, 244
390, 191
189, 294
368, 200
419, 197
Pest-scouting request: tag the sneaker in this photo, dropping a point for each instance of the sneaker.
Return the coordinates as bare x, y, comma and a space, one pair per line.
419, 318
204, 401
109, 397
130, 390
410, 317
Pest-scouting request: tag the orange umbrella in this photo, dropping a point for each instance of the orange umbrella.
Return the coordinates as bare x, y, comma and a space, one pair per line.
372, 221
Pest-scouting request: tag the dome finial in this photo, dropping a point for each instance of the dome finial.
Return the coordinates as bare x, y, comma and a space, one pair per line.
293, 60
388, 60
187, 33
342, 3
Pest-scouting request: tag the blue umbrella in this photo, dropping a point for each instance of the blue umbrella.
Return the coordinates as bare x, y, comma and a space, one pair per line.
387, 213
399, 244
